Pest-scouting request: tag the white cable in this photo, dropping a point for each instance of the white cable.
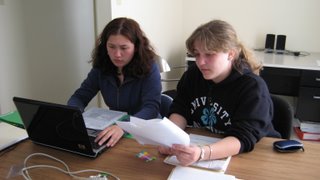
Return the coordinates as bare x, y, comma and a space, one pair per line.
67, 171
40, 154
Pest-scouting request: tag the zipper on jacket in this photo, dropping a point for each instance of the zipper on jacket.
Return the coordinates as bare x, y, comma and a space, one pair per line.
118, 95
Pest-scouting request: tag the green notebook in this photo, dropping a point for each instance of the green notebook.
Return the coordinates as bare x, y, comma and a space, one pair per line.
12, 118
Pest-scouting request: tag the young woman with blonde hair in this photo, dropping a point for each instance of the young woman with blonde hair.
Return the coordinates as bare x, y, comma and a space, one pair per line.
221, 93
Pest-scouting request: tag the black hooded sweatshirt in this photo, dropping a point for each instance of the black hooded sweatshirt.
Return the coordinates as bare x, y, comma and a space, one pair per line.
238, 106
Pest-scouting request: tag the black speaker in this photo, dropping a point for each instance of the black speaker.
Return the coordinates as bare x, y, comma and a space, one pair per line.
269, 46
281, 44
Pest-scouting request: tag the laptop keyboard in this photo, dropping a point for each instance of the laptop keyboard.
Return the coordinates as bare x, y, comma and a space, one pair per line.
94, 145
92, 136
93, 132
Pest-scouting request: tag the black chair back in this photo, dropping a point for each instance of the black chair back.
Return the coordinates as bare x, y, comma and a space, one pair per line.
165, 105
283, 116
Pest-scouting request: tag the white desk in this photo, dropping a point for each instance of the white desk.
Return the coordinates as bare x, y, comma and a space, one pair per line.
310, 62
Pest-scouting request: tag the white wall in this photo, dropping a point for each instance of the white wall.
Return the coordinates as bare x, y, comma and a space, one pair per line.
13, 75
160, 20
45, 44
162, 23
44, 49
169, 23
253, 19
102, 14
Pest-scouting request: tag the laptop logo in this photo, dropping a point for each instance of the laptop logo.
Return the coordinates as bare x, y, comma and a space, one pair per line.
82, 147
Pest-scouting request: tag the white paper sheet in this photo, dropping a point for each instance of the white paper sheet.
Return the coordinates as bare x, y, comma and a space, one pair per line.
155, 131
10, 135
186, 173
216, 165
100, 118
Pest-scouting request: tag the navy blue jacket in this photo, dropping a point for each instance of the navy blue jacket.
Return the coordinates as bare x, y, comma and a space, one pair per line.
139, 97
238, 106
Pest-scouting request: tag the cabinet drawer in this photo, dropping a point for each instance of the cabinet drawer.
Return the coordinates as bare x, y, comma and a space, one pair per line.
282, 80
310, 78
308, 107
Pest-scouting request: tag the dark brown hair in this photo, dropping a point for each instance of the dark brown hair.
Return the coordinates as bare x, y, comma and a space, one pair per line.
144, 53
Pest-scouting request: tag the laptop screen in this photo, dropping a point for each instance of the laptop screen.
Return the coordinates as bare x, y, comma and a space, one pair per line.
54, 125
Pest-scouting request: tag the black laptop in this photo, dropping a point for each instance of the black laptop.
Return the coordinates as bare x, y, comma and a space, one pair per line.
57, 126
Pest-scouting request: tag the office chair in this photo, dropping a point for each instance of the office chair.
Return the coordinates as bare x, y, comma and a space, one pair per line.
172, 93
165, 105
282, 117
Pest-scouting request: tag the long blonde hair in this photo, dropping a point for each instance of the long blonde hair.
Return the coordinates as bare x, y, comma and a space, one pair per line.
220, 36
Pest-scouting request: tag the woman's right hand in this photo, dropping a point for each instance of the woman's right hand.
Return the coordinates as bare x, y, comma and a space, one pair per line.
165, 150
112, 134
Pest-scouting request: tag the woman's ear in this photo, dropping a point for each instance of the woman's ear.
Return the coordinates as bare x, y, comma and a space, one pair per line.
231, 54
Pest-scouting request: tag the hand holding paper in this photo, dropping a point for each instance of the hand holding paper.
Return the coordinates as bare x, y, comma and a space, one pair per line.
155, 131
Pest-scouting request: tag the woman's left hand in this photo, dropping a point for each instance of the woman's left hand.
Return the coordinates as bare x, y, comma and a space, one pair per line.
186, 155
112, 134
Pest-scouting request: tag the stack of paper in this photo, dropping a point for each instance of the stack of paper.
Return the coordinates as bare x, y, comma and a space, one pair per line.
10, 135
308, 130
188, 173
310, 126
100, 118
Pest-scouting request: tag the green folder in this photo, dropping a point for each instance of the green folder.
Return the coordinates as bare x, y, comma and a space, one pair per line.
12, 118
